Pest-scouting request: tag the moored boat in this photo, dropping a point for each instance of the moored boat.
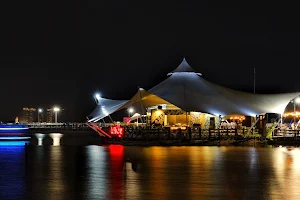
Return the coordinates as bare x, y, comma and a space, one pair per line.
14, 132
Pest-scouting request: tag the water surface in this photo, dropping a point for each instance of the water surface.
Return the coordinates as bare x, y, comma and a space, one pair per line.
117, 172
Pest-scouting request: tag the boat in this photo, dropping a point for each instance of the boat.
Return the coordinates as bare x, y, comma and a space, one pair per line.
14, 132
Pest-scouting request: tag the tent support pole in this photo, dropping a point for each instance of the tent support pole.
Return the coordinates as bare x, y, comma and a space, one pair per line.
186, 119
141, 99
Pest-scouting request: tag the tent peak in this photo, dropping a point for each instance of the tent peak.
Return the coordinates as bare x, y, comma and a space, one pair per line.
184, 67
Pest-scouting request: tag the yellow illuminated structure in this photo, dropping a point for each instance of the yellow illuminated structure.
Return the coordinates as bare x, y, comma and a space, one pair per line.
235, 117
240, 118
56, 138
291, 114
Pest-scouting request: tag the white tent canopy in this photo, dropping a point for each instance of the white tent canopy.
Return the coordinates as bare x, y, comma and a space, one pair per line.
143, 100
188, 90
136, 116
104, 108
139, 102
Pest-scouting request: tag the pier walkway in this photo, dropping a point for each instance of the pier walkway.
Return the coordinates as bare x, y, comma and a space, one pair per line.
58, 127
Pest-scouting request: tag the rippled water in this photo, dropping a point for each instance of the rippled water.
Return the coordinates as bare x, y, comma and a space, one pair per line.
117, 172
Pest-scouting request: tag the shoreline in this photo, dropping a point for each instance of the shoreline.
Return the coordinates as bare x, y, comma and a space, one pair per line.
248, 143
84, 138
167, 143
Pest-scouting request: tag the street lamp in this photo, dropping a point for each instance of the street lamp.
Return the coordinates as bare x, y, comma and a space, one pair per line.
56, 110
130, 110
40, 110
97, 97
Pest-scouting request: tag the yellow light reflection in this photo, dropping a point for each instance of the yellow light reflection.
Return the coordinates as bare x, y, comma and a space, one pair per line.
253, 158
201, 159
287, 171
56, 186
133, 185
158, 159
56, 138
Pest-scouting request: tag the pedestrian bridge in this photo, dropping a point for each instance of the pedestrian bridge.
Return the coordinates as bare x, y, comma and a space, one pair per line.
65, 128
57, 127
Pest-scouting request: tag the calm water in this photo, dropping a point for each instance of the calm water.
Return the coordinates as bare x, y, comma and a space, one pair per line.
117, 172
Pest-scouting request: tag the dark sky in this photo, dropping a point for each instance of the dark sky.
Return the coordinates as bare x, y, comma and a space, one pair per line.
60, 52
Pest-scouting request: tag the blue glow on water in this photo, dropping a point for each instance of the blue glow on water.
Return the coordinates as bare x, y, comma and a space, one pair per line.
12, 176
14, 143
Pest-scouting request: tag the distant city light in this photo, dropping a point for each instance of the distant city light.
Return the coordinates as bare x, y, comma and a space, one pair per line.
40, 110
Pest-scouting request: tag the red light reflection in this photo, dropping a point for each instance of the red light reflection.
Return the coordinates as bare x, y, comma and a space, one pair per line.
116, 150
116, 164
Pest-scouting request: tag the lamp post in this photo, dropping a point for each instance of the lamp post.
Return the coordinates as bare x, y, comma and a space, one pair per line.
97, 97
56, 110
294, 114
40, 111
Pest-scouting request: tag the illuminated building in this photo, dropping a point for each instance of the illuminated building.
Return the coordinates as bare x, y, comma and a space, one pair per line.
49, 118
185, 98
29, 115
40, 115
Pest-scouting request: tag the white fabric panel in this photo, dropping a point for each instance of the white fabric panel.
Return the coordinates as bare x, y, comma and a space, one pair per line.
191, 92
186, 89
105, 107
143, 100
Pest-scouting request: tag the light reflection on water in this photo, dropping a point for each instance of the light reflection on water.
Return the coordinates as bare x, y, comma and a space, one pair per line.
96, 177
287, 172
117, 172
12, 175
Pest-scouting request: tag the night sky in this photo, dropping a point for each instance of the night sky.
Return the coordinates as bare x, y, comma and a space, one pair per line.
60, 52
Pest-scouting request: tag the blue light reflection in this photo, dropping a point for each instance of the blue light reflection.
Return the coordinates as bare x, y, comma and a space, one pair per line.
12, 176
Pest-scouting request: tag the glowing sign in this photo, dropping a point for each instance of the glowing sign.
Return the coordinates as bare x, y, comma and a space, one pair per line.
117, 131
126, 120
